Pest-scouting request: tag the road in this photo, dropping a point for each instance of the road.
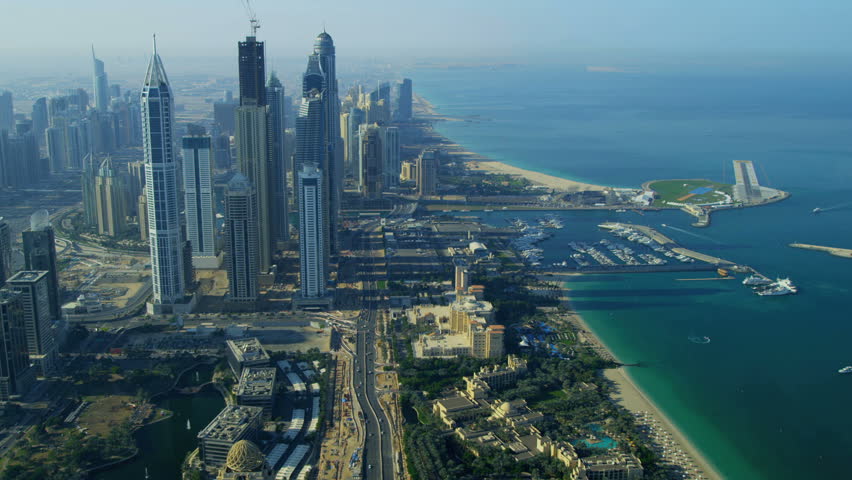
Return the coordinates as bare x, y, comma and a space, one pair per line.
378, 445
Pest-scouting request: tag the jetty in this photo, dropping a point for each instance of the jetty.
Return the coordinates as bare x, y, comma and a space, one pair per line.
837, 252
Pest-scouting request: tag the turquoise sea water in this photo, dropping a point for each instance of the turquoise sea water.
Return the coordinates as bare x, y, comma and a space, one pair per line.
763, 399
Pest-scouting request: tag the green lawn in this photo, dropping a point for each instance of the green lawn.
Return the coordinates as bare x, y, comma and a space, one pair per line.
382, 284
677, 190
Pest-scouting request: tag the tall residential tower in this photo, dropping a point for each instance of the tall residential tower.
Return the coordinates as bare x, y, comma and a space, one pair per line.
101, 85
199, 200
161, 172
320, 80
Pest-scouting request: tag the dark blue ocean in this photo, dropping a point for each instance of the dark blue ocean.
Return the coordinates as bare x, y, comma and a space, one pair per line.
763, 399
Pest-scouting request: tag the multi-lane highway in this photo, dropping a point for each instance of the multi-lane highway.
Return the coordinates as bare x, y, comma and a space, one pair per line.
378, 448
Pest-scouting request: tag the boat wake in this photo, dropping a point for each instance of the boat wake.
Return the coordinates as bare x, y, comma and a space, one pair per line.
692, 234
699, 340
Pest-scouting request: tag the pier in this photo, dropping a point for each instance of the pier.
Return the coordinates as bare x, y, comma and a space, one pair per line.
837, 252
665, 241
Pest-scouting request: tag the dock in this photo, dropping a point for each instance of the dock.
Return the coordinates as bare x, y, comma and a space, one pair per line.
668, 243
837, 252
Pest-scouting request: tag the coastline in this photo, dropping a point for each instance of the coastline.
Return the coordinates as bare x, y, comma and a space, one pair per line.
474, 161
634, 399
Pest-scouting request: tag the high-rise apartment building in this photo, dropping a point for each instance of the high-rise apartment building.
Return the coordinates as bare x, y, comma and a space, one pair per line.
101, 85
427, 173
391, 161
40, 254
91, 165
253, 162
40, 120
41, 343
5, 251
7, 112
313, 268
16, 376
252, 139
371, 162
161, 172
20, 162
110, 200
357, 117
241, 244
278, 160
199, 200
404, 100
320, 79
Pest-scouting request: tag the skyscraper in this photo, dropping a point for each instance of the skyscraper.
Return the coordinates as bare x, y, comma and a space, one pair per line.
39, 117
278, 163
91, 165
41, 343
320, 76
16, 376
110, 200
253, 144
311, 236
253, 162
357, 117
241, 255
391, 162
309, 132
101, 85
404, 100
199, 200
161, 186
252, 67
427, 173
371, 162
7, 112
5, 251
40, 254
19, 159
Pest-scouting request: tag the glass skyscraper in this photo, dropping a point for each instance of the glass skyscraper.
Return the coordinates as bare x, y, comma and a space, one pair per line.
161, 173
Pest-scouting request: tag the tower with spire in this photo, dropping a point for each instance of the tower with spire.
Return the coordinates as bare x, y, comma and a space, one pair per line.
161, 176
100, 83
319, 83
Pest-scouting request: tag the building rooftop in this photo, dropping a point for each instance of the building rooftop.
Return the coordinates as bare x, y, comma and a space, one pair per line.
455, 403
257, 381
27, 276
231, 423
248, 350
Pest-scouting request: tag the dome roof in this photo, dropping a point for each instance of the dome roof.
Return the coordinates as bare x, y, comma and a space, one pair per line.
324, 44
244, 456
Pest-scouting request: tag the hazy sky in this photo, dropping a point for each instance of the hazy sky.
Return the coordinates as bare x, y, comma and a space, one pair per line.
425, 27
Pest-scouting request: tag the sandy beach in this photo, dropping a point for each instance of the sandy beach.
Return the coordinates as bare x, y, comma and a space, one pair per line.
477, 162
550, 181
652, 421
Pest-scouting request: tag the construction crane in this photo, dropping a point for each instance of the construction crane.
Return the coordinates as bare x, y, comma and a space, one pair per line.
255, 24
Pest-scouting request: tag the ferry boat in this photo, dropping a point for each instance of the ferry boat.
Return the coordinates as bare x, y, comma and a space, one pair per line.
845, 370
756, 280
782, 286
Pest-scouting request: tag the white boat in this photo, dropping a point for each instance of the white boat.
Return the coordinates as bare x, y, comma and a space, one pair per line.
188, 426
756, 280
845, 370
782, 286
